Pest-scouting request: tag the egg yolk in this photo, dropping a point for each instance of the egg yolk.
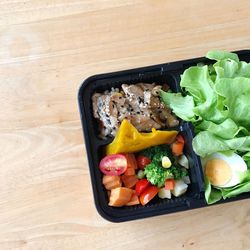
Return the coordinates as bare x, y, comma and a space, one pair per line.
218, 172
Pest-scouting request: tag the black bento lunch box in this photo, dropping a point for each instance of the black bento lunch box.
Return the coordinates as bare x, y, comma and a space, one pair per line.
163, 73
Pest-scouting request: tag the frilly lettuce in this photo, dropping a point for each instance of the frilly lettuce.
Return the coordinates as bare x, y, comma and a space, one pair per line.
216, 99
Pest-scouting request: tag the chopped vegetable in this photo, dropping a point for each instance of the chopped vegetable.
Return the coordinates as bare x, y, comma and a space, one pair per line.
183, 161
131, 161
129, 181
157, 164
152, 151
140, 174
164, 193
134, 200
111, 182
165, 162
179, 188
113, 164
129, 140
180, 139
142, 161
141, 185
148, 194
177, 146
186, 179
178, 172
120, 196
156, 174
129, 171
131, 164
169, 184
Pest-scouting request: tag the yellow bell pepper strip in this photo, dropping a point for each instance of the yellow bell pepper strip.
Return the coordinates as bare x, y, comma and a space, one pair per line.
129, 140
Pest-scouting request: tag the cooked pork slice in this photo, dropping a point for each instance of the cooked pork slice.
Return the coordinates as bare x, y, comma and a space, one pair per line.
143, 123
172, 121
146, 86
132, 91
139, 103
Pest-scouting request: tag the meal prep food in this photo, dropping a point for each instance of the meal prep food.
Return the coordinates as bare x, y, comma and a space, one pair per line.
215, 99
139, 103
136, 178
168, 137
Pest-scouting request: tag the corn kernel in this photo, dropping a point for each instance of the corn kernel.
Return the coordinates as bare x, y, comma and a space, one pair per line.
166, 163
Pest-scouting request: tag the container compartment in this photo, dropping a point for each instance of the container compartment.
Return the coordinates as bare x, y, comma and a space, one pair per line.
95, 146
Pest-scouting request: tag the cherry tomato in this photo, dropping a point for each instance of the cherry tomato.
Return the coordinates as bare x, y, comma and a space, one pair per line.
141, 185
142, 161
148, 194
115, 164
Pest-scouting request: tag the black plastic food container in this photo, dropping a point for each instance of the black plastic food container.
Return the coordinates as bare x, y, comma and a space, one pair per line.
163, 73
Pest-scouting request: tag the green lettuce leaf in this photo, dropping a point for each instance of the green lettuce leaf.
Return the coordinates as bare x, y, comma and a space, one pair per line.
222, 55
217, 101
182, 106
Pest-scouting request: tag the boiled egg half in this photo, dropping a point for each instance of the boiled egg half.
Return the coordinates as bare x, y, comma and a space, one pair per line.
223, 170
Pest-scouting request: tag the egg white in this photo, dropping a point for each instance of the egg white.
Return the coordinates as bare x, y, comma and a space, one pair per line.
234, 161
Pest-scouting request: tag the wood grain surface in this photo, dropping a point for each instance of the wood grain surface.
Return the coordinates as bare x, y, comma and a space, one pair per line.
47, 48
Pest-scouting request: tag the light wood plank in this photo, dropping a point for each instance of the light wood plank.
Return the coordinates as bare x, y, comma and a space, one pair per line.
47, 48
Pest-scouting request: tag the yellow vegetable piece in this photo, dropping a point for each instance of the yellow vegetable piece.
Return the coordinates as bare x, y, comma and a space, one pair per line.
129, 140
165, 162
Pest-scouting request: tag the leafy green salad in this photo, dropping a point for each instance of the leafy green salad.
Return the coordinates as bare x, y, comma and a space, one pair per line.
215, 98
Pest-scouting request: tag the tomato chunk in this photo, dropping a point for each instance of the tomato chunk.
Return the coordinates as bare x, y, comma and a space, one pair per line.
142, 161
141, 185
115, 164
148, 194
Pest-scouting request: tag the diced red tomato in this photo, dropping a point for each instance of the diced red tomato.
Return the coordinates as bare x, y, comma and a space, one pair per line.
141, 185
129, 181
169, 184
148, 194
142, 161
115, 164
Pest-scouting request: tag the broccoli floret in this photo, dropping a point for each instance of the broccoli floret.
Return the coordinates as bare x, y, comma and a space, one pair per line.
152, 151
178, 172
157, 174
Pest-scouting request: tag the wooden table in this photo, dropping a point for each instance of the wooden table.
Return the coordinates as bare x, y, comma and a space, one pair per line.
47, 48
